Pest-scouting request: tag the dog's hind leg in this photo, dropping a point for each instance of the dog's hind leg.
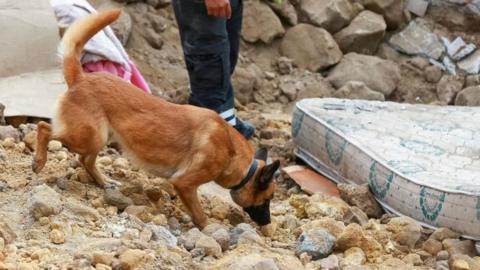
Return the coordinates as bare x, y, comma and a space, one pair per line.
44, 135
88, 162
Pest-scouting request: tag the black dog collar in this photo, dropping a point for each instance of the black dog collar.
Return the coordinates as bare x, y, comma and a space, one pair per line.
249, 175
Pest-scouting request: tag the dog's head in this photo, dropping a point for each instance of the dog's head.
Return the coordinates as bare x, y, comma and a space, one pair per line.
255, 196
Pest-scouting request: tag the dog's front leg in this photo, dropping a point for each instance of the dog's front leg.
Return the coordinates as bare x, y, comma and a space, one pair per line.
44, 135
188, 194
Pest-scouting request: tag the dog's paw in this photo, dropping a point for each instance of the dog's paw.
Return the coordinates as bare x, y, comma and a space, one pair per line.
37, 166
110, 183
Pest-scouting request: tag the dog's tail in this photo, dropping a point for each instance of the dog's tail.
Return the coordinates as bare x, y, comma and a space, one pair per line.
75, 38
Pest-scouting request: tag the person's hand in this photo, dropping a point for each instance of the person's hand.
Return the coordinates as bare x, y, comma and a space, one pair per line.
219, 8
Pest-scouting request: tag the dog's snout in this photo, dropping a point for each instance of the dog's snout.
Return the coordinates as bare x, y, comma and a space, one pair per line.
260, 214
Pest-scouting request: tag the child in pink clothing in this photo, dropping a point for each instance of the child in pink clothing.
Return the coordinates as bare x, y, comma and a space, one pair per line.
103, 52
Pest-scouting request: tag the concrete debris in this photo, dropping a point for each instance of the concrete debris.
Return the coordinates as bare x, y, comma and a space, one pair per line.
418, 7
418, 39
471, 64
449, 65
458, 49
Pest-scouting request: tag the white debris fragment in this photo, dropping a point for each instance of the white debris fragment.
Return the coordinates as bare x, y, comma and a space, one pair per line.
458, 49
418, 7
449, 65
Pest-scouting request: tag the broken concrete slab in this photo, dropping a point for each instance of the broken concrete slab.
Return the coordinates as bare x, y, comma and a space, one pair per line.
310, 181
418, 39
471, 64
458, 49
418, 7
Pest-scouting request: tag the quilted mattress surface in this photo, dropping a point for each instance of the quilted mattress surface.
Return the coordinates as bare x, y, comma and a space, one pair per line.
421, 161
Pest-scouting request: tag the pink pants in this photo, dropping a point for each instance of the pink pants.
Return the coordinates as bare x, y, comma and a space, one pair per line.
116, 69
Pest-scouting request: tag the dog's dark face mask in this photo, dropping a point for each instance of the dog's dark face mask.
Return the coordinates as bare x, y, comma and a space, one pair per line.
260, 214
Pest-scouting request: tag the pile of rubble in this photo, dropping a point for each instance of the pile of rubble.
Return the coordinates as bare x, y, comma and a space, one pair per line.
60, 219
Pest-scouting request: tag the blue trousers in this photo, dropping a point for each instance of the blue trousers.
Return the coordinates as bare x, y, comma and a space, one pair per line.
210, 46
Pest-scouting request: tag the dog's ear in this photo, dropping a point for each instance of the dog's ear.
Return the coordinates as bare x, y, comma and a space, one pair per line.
261, 154
266, 175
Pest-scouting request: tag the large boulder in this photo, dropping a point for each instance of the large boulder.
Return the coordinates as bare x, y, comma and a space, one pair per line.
392, 10
310, 47
469, 96
418, 39
332, 15
363, 35
260, 23
358, 67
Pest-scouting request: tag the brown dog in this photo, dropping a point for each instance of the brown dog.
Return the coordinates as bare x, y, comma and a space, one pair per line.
189, 145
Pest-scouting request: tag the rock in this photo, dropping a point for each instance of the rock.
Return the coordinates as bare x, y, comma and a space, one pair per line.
459, 265
433, 74
432, 246
162, 235
267, 264
57, 236
321, 205
43, 201
448, 87
471, 64
82, 210
391, 10
121, 163
144, 213
8, 143
458, 49
472, 80
102, 258
72, 186
211, 247
413, 259
133, 259
363, 35
105, 161
469, 96
248, 257
441, 234
418, 39
332, 15
318, 51
317, 243
442, 265
353, 236
331, 225
285, 10
456, 246
116, 198
101, 266
353, 256
123, 27
361, 197
260, 23
418, 7
355, 215
330, 263
6, 233
443, 255
54, 146
462, 262
406, 231
238, 230
223, 238
245, 81
358, 90
250, 238
190, 238
30, 140
317, 88
9, 132
269, 229
357, 67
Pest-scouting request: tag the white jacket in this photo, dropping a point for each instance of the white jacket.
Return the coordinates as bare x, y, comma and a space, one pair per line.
103, 46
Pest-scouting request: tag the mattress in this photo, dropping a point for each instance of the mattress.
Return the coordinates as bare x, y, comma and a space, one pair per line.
420, 161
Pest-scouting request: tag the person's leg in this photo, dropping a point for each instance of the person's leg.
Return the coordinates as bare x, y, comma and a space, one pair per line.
206, 47
234, 29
